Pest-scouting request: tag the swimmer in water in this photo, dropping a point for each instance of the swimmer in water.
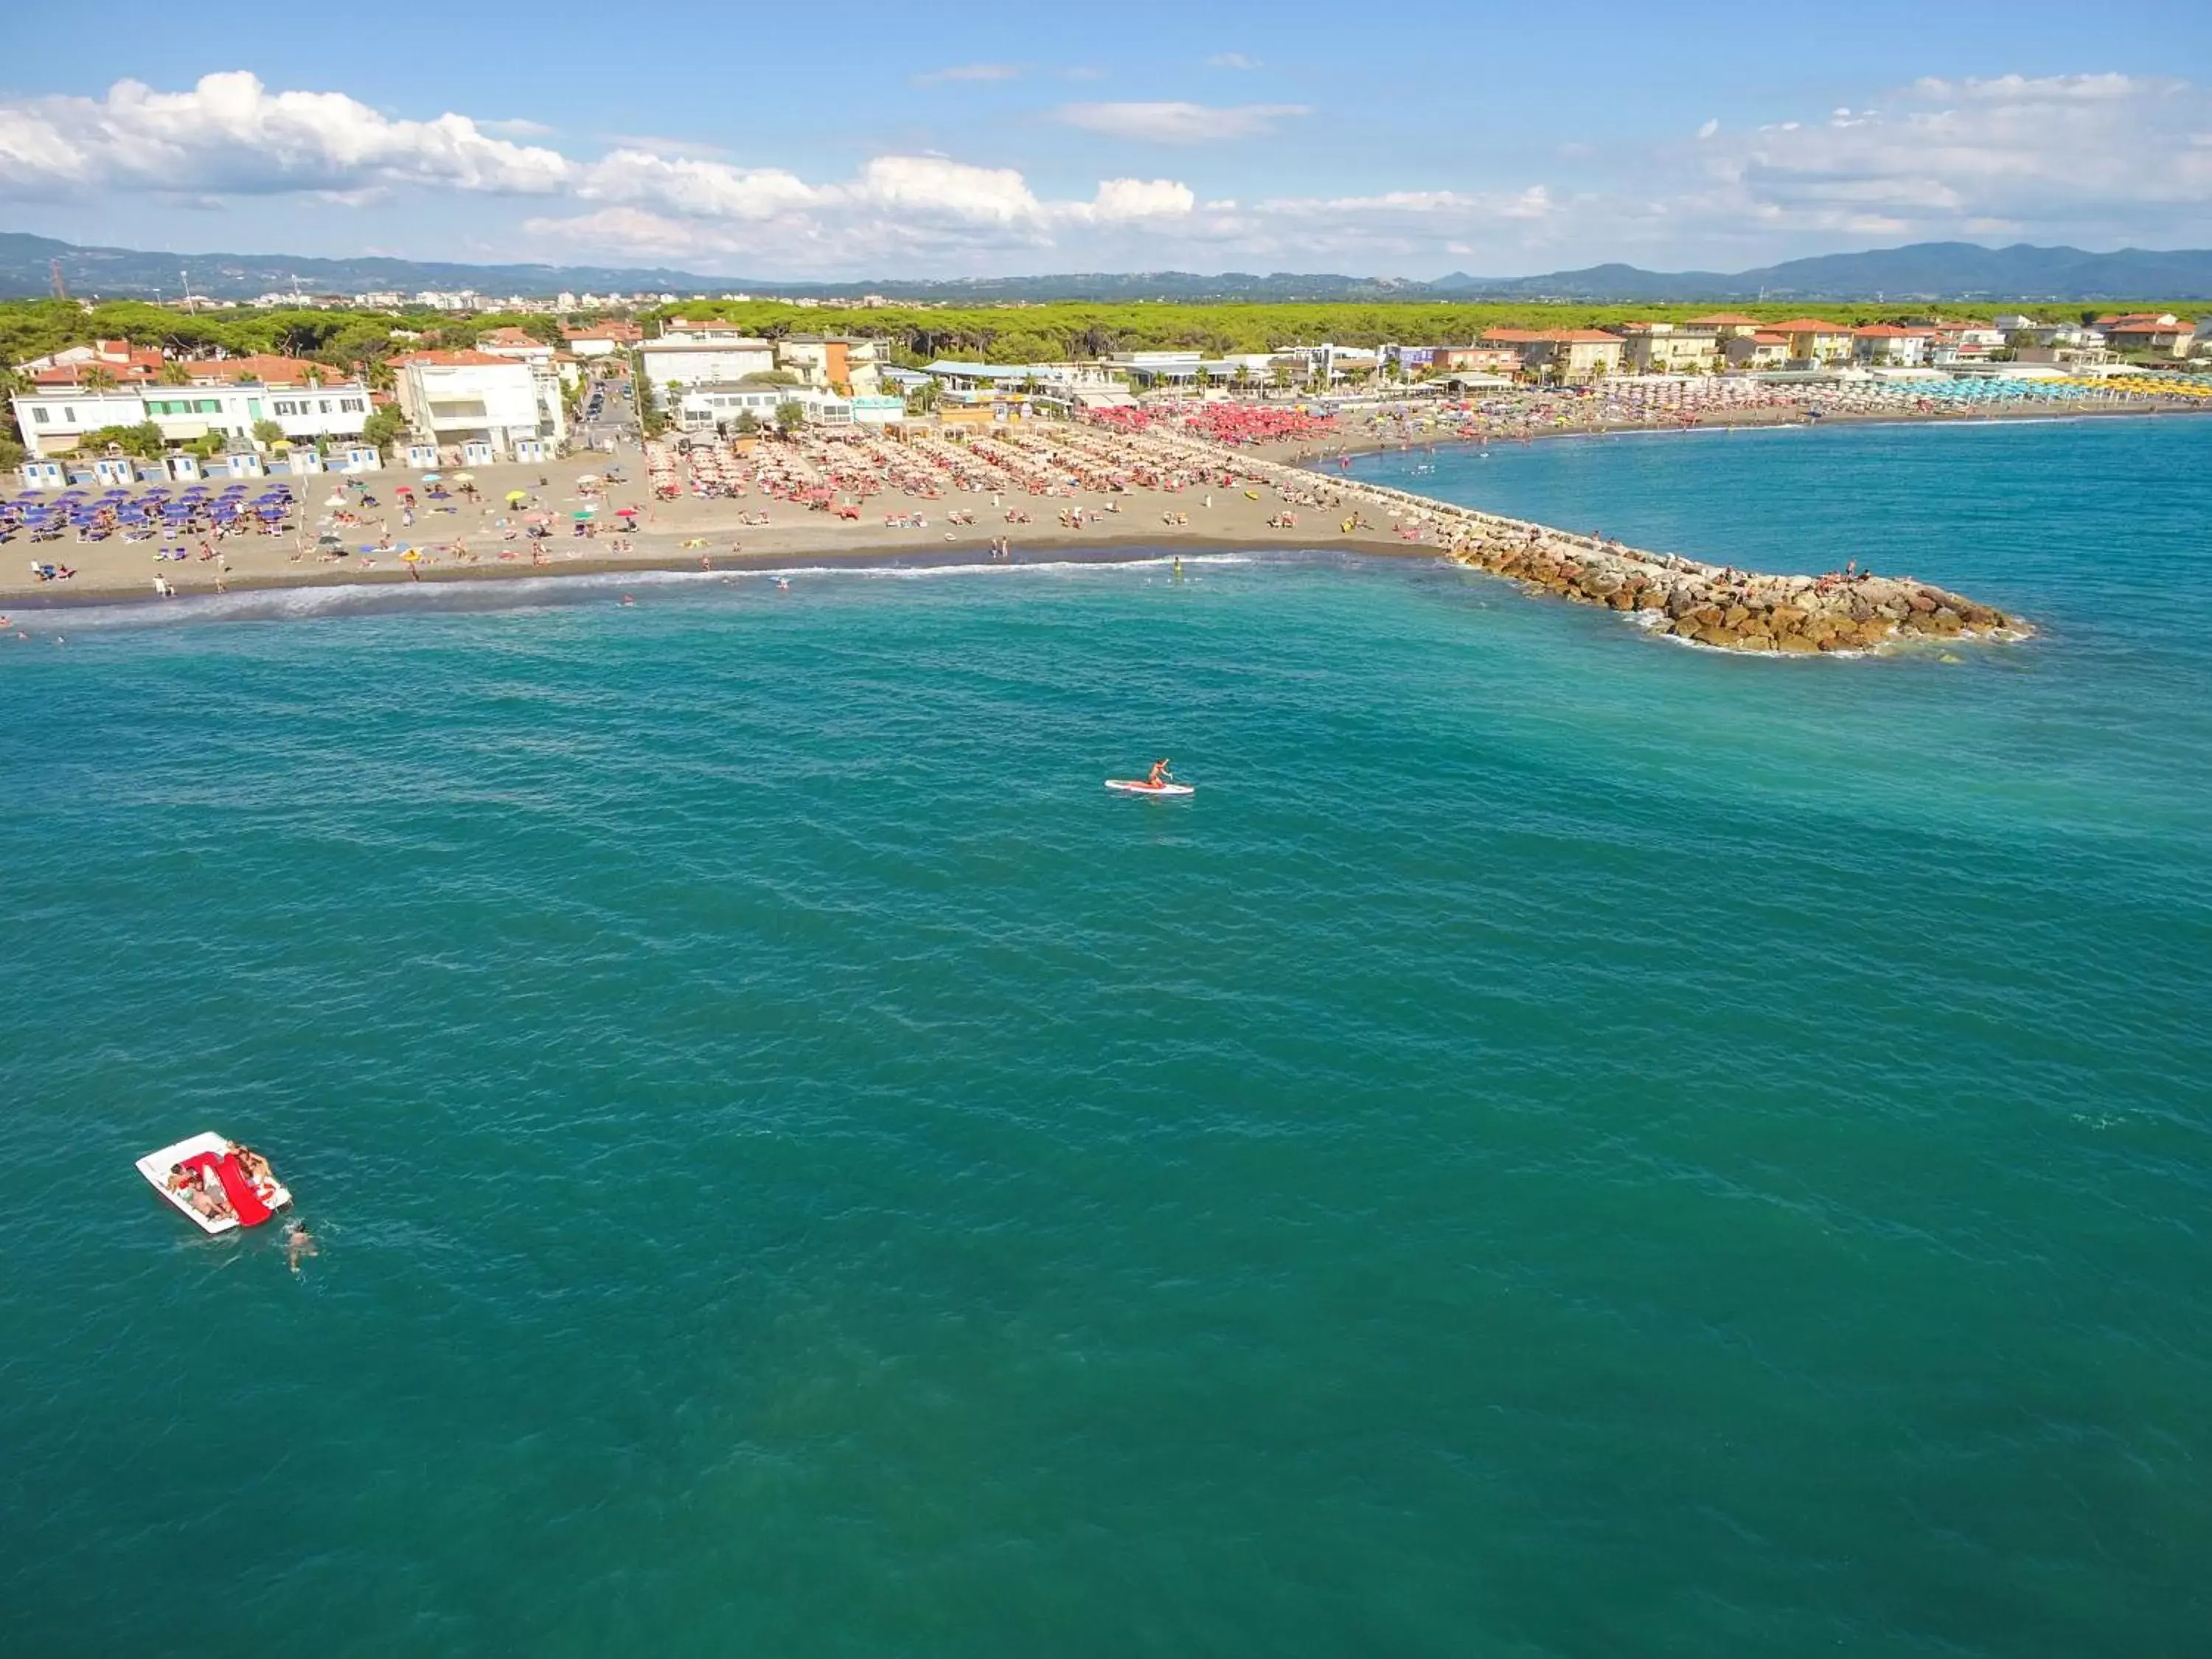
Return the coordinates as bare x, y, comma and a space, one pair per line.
299, 1243
626, 599
783, 585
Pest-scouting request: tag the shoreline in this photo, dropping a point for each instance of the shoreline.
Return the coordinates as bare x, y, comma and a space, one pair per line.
1118, 549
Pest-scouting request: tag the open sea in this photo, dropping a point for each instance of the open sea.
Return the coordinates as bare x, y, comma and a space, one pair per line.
1567, 1144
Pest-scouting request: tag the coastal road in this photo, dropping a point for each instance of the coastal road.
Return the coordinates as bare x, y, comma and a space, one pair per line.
616, 416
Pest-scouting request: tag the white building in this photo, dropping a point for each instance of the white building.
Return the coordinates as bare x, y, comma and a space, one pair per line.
709, 331
683, 362
1891, 346
455, 397
53, 423
707, 408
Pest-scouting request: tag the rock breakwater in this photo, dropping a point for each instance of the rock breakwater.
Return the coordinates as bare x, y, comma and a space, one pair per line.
1714, 606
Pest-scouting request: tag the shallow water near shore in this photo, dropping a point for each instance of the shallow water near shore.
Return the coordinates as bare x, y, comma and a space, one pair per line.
1564, 1145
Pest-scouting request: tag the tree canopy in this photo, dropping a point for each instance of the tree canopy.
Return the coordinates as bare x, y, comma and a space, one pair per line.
359, 341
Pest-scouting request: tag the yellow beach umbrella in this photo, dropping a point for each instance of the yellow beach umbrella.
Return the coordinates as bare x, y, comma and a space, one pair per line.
516, 497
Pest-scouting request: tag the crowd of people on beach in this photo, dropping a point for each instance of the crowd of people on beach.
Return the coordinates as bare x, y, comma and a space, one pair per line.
1509, 414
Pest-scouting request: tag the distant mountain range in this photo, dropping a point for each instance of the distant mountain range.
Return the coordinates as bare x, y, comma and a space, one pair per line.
1926, 270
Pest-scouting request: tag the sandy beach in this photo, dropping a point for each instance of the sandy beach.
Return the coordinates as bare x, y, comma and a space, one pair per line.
462, 540
1075, 491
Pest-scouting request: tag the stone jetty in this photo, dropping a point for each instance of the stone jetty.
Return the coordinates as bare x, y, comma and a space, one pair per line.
1708, 604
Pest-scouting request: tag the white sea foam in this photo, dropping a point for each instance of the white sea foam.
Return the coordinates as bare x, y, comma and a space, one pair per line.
455, 595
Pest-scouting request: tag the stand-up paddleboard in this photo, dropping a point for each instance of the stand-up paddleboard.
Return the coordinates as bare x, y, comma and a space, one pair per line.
1138, 787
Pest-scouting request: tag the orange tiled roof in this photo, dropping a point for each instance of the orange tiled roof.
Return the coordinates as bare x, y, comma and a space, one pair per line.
267, 368
74, 374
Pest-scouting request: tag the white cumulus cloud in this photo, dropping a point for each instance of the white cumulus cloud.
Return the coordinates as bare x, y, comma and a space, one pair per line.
2097, 158
230, 135
1180, 124
2068, 151
1122, 199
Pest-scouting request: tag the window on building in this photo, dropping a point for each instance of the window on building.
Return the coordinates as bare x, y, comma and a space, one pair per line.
39, 417
351, 406
207, 406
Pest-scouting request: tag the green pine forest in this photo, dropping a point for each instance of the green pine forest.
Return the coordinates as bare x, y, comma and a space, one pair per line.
353, 341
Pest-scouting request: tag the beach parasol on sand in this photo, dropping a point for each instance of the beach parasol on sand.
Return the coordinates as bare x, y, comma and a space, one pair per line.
516, 497
410, 556
581, 513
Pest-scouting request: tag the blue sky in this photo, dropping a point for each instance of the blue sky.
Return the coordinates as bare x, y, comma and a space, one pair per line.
813, 141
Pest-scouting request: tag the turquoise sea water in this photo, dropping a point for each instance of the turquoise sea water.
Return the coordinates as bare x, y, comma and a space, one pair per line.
1568, 1145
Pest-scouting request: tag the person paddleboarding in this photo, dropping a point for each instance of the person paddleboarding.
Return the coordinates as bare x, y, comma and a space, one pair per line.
1158, 781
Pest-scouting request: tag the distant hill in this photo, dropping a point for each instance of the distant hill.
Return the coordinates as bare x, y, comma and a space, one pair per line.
1925, 270
1929, 271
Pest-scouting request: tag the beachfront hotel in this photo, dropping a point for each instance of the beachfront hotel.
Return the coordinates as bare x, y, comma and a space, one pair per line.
54, 421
